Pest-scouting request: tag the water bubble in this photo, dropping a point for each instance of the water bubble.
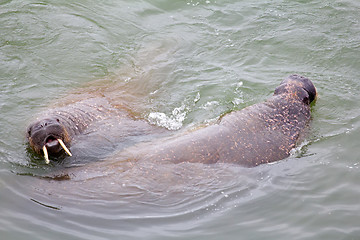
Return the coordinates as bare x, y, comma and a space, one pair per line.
224, 194
197, 97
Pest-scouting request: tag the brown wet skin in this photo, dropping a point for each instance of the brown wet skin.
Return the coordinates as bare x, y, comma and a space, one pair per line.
262, 133
59, 126
53, 132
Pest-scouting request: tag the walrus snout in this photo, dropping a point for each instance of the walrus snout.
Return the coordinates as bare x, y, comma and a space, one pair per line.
303, 87
48, 136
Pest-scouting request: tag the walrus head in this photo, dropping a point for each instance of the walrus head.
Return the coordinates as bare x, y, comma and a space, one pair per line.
298, 86
49, 137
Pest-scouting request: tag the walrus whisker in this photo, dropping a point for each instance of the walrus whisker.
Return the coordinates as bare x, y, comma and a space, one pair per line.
64, 147
46, 155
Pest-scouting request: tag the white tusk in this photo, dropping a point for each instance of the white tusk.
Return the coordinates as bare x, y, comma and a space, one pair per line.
46, 155
64, 147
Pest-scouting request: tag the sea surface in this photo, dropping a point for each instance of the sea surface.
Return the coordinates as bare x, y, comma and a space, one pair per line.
189, 61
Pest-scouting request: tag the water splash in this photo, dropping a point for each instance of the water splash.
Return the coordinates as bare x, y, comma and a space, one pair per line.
172, 122
175, 120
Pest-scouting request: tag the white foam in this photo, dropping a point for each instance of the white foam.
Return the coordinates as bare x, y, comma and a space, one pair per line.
209, 105
172, 122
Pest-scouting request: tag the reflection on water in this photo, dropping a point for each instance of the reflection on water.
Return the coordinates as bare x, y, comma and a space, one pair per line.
180, 64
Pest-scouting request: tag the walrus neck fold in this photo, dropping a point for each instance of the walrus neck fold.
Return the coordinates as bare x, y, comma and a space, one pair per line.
78, 116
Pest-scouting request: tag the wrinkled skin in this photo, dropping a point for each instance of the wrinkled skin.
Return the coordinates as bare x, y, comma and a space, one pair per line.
262, 133
55, 131
64, 124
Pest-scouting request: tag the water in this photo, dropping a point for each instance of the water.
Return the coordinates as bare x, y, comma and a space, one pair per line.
187, 62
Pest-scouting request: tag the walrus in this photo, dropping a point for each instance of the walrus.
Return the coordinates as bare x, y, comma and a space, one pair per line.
258, 134
54, 131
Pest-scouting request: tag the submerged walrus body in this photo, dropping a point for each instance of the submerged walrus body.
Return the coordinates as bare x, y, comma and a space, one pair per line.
262, 133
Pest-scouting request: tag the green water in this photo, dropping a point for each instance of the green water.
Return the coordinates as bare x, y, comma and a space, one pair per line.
192, 61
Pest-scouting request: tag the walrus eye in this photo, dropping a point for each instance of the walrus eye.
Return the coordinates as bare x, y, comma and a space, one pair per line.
58, 120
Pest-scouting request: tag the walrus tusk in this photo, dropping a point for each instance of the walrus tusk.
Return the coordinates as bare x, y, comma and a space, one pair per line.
46, 155
64, 147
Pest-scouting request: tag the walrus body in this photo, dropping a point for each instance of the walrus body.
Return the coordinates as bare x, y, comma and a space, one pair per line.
262, 133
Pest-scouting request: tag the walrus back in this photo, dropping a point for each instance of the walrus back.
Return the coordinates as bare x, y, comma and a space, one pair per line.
261, 133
